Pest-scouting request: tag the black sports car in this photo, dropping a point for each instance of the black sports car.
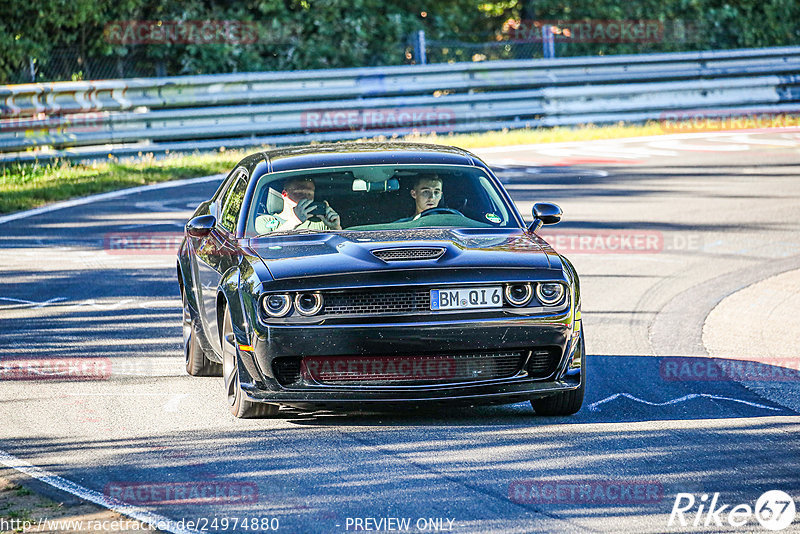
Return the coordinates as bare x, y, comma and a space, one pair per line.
349, 275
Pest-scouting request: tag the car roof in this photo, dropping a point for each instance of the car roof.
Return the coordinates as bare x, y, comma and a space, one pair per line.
365, 153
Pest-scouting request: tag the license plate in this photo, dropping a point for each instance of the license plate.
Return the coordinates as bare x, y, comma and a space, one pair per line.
460, 298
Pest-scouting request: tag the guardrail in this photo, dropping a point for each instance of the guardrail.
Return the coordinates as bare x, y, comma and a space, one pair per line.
90, 119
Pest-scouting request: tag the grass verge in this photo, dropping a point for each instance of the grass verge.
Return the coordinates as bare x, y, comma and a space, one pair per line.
24, 512
25, 186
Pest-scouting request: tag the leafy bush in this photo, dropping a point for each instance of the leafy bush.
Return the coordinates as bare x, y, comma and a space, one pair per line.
304, 34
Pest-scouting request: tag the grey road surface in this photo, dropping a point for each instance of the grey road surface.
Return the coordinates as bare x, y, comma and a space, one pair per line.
662, 231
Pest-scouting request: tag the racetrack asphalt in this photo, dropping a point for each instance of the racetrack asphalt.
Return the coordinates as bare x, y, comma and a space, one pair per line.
665, 233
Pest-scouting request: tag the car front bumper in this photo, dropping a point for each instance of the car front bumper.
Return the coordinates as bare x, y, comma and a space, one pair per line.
474, 332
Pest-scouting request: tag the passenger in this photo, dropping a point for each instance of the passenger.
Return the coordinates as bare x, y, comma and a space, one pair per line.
298, 211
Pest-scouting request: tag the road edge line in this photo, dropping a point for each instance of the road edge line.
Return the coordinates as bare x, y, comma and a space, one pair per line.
156, 521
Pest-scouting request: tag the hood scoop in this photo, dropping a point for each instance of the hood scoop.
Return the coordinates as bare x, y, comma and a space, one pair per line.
408, 254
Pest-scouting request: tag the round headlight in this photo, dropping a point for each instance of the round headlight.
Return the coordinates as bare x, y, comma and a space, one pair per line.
550, 293
518, 294
308, 303
276, 305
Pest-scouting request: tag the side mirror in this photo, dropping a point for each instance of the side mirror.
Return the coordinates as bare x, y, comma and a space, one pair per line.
544, 213
201, 226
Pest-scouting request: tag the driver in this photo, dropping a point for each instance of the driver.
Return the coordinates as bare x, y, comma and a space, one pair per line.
426, 192
298, 208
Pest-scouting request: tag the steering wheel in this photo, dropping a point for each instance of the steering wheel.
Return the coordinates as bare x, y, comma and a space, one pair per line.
439, 211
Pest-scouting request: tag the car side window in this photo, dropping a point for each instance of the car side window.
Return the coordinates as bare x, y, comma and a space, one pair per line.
233, 204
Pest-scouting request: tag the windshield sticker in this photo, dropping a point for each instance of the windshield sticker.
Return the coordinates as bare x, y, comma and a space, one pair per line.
493, 217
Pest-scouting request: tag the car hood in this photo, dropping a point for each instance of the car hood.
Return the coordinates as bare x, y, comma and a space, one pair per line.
326, 254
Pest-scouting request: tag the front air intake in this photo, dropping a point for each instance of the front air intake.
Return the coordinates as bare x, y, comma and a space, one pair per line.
408, 254
543, 361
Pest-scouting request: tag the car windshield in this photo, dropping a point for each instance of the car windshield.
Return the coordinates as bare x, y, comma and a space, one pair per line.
377, 197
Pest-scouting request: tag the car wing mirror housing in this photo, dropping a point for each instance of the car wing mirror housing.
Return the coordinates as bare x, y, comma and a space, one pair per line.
544, 213
201, 226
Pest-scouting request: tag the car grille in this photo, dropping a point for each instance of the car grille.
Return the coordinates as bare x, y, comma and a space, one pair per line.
355, 302
415, 369
411, 369
408, 254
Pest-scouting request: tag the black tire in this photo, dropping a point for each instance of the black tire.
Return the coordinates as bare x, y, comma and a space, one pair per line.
197, 364
566, 403
236, 399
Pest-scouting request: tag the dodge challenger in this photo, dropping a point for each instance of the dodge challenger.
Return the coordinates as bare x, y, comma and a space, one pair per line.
365, 274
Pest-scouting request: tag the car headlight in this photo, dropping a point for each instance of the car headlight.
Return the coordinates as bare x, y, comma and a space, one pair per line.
550, 293
276, 305
308, 303
518, 294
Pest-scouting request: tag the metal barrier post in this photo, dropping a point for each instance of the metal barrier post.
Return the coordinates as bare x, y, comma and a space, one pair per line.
548, 42
419, 48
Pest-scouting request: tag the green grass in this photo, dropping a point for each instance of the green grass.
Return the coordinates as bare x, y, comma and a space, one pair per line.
21, 491
21, 515
25, 186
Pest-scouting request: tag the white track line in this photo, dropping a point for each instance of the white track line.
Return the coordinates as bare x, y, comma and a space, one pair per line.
32, 302
106, 196
157, 521
594, 407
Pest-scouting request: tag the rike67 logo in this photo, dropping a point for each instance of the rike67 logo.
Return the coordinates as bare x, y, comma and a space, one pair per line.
774, 509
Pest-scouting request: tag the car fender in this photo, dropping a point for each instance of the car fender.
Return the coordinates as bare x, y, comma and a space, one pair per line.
185, 278
576, 283
229, 295
579, 340
186, 282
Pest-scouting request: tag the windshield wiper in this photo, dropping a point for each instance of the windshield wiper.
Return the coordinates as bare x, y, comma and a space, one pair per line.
302, 231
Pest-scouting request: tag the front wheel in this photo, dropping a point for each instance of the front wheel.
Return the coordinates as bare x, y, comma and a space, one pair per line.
566, 403
237, 400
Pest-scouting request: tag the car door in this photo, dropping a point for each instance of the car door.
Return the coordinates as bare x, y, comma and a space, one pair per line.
218, 252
